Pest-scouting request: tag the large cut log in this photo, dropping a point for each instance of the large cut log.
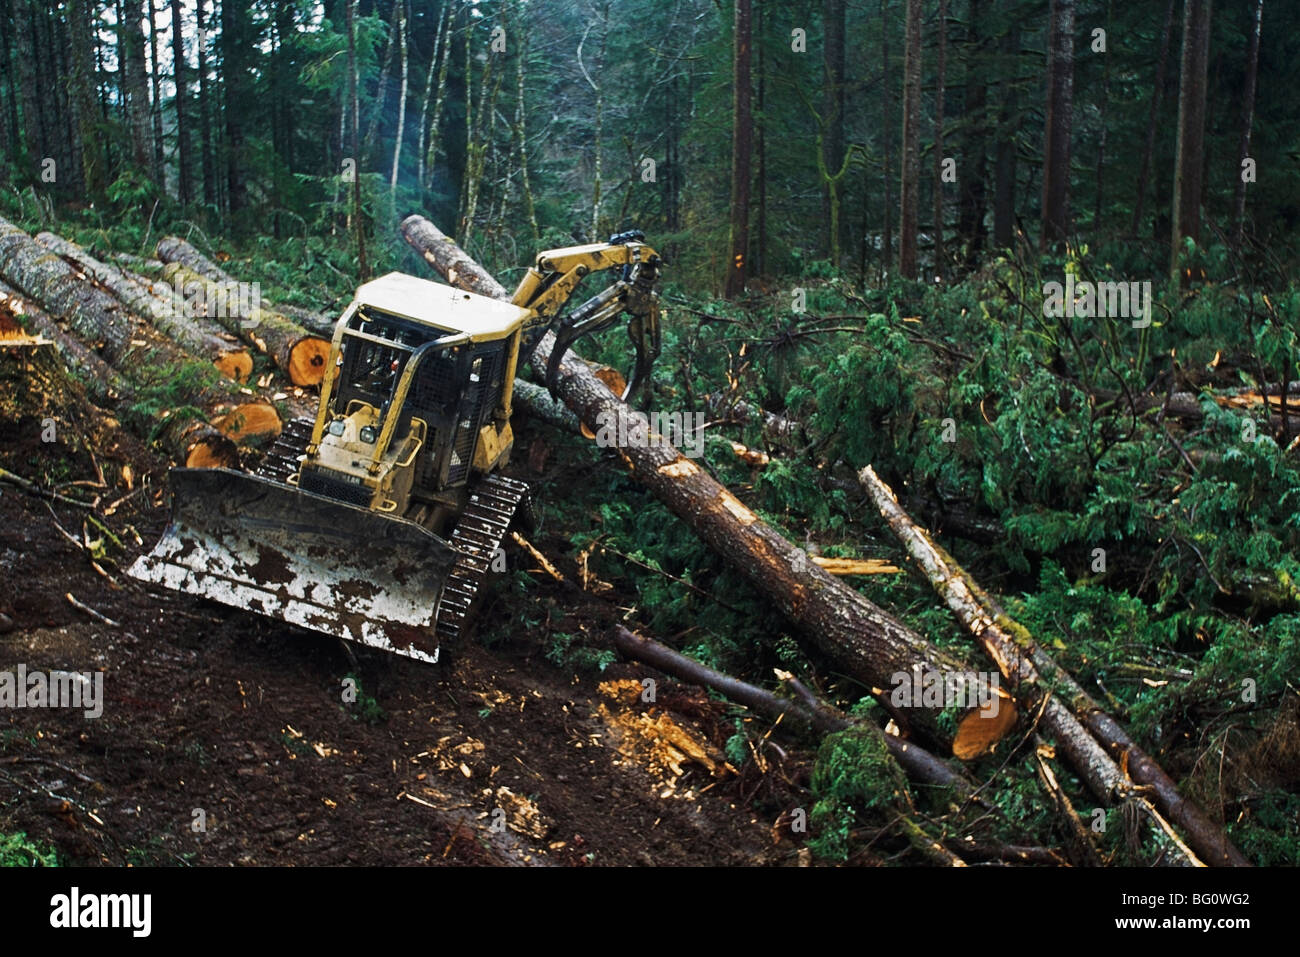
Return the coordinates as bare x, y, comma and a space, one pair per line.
300, 355
1024, 662
174, 395
868, 644
173, 249
99, 379
194, 336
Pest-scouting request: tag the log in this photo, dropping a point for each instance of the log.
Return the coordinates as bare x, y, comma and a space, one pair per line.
866, 643
300, 355
173, 249
196, 337
1023, 661
919, 764
100, 381
173, 394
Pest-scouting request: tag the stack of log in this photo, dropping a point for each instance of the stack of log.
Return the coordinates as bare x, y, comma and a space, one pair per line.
172, 373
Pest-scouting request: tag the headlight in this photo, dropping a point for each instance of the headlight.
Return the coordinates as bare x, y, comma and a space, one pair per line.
369, 434
336, 427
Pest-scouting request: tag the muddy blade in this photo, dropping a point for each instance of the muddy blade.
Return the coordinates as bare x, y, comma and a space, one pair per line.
305, 559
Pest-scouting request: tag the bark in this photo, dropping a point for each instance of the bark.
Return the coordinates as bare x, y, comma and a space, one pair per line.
887, 251
184, 164
97, 377
1157, 94
1190, 158
401, 99
940, 80
299, 355
151, 364
135, 84
210, 196
865, 642
173, 249
196, 338
1247, 121
83, 95
427, 135
1060, 117
832, 111
1004, 172
363, 267
155, 107
973, 174
741, 146
521, 142
1067, 709
909, 187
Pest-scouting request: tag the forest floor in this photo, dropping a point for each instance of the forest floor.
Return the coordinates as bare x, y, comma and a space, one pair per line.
222, 718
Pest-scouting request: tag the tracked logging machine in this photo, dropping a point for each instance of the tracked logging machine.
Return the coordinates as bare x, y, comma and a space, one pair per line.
378, 520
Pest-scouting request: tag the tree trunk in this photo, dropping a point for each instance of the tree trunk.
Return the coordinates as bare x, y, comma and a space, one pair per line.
887, 252
909, 188
1024, 663
363, 267
1190, 158
1060, 114
1004, 174
1104, 129
832, 112
27, 55
135, 84
741, 133
101, 382
299, 355
1247, 121
155, 108
83, 95
193, 336
439, 55
864, 641
973, 174
939, 83
401, 99
1157, 94
184, 164
210, 198
237, 40
521, 141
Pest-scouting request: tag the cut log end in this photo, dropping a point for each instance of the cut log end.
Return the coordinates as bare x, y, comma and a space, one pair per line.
252, 420
212, 452
981, 729
237, 365
308, 360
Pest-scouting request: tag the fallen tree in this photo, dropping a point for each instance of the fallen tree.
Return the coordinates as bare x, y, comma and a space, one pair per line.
174, 396
193, 335
100, 381
1033, 672
299, 355
866, 642
173, 249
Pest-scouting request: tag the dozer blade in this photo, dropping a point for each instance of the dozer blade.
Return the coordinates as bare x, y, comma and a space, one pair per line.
312, 561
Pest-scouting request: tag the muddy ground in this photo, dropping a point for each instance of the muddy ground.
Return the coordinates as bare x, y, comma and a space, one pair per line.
225, 738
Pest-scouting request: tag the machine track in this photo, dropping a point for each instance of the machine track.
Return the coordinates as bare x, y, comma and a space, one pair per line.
476, 537
281, 459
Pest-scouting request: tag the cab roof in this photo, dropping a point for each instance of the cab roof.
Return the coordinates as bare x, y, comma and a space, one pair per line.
441, 306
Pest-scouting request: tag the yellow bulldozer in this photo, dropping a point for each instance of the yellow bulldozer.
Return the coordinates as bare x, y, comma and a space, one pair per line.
378, 520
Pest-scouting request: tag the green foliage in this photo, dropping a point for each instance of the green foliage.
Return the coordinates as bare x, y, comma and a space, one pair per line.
854, 778
17, 850
365, 708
